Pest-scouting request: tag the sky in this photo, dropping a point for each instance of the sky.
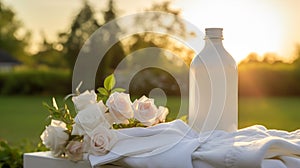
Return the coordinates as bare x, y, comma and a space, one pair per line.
260, 26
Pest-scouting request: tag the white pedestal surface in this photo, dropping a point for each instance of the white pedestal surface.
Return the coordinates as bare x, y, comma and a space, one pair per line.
46, 160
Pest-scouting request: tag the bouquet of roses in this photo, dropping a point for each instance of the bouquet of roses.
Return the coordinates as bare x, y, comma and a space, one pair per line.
98, 117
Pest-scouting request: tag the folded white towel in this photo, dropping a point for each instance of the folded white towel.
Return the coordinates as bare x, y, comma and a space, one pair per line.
174, 144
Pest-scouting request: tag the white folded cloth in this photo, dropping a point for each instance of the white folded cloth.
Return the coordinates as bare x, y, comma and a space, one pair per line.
175, 144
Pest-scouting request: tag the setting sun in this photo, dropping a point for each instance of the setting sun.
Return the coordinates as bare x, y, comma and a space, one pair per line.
249, 26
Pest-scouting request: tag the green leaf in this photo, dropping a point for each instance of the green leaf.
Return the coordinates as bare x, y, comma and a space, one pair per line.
109, 82
46, 105
184, 118
118, 90
102, 97
103, 91
140, 125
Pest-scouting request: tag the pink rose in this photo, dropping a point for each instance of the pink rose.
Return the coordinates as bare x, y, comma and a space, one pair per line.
145, 111
89, 118
102, 140
162, 114
84, 99
74, 150
119, 105
55, 138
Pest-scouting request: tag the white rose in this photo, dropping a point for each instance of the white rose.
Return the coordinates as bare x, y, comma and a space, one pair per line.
55, 138
86, 143
74, 150
162, 114
119, 105
109, 118
102, 140
102, 106
84, 99
89, 118
145, 111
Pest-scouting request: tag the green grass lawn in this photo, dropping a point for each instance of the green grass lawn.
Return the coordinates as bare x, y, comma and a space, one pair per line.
24, 117
274, 112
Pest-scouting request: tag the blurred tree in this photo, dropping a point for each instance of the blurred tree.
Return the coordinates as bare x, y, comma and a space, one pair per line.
50, 54
116, 53
251, 58
297, 56
271, 76
83, 25
169, 25
13, 37
271, 58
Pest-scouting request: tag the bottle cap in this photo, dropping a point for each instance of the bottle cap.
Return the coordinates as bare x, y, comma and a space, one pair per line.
214, 33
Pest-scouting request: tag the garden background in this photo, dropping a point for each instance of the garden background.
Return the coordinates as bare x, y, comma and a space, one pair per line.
269, 84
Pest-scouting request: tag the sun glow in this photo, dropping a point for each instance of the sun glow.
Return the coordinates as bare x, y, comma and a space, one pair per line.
248, 26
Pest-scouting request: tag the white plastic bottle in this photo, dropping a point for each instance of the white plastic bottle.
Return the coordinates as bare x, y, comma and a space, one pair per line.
213, 93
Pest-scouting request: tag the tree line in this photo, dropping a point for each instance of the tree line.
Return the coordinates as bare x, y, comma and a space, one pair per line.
266, 76
269, 75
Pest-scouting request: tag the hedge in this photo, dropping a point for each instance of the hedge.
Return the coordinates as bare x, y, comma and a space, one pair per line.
35, 82
269, 81
253, 81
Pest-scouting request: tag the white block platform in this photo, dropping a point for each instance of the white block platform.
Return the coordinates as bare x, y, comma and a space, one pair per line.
45, 160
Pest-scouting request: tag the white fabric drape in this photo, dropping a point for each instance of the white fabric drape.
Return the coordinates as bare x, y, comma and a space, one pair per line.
175, 144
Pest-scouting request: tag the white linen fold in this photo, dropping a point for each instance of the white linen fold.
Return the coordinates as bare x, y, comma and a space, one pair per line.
175, 144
